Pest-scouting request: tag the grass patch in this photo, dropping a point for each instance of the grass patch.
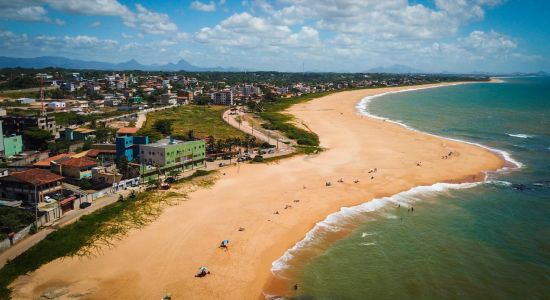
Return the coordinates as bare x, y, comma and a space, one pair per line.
275, 119
88, 235
203, 120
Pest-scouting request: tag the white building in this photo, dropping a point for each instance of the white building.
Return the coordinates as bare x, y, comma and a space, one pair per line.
56, 105
169, 99
224, 97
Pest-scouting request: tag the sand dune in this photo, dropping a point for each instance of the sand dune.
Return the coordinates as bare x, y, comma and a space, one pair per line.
164, 256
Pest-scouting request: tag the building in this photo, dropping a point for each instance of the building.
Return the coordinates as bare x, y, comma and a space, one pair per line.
169, 99
26, 100
102, 155
127, 131
30, 186
16, 124
10, 145
47, 162
129, 146
169, 152
56, 105
74, 167
224, 97
106, 175
79, 134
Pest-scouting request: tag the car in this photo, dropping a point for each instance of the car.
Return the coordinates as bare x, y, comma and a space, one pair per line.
165, 186
241, 159
170, 180
210, 159
84, 205
271, 151
226, 157
48, 199
220, 165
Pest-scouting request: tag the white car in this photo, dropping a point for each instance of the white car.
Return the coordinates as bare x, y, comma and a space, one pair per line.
48, 199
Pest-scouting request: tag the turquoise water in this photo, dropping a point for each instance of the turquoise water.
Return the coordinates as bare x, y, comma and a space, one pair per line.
489, 241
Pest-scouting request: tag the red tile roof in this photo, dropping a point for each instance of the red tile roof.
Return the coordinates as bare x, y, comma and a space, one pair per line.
33, 176
79, 162
95, 152
127, 130
45, 163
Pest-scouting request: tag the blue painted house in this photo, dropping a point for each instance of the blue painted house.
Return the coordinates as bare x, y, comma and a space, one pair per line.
128, 146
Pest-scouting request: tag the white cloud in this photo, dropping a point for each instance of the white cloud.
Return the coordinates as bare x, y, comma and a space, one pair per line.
126, 36
25, 10
89, 7
95, 24
206, 7
149, 22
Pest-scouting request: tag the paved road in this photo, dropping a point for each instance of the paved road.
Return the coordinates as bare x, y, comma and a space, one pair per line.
247, 128
67, 219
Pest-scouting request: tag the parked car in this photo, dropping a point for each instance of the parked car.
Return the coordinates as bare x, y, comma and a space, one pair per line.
210, 159
48, 199
84, 205
226, 156
165, 186
170, 180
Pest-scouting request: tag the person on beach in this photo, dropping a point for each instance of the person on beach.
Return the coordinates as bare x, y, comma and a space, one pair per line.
295, 286
203, 271
225, 245
412, 209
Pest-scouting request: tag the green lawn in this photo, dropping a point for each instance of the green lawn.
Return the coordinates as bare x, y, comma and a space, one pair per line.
203, 120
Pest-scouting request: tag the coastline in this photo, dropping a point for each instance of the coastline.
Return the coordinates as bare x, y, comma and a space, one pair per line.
164, 256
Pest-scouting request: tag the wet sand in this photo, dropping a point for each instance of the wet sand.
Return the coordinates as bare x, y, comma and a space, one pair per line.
164, 256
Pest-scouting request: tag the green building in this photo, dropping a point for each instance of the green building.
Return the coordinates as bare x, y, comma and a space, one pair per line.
135, 100
169, 152
10, 145
13, 145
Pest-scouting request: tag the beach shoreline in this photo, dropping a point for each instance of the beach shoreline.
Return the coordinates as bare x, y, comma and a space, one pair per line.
164, 256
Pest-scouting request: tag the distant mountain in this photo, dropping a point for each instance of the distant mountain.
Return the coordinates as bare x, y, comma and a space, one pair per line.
67, 63
394, 69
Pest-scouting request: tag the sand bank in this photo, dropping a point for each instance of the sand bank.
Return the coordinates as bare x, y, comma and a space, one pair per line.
164, 256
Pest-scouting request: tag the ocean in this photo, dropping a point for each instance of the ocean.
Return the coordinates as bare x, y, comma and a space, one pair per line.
487, 240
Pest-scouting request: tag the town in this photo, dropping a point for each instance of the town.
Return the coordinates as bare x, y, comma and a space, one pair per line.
69, 138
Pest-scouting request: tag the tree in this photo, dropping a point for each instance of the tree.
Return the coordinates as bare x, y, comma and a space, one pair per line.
123, 166
190, 135
35, 138
163, 126
104, 134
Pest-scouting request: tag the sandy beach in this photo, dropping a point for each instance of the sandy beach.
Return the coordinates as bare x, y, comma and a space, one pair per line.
164, 256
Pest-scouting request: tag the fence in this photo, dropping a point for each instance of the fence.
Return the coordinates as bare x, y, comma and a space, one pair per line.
5, 244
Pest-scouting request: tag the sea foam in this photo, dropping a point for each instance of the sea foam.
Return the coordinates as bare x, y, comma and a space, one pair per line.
520, 135
333, 221
363, 105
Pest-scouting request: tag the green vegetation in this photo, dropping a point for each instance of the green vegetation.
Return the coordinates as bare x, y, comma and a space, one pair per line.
202, 120
14, 219
92, 232
272, 113
36, 139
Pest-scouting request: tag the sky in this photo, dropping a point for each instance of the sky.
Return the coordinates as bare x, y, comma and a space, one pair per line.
281, 35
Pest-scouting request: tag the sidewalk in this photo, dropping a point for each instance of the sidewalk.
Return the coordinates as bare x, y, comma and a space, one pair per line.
67, 219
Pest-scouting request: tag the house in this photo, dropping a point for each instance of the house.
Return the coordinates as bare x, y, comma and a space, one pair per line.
30, 186
26, 100
135, 100
102, 155
79, 134
169, 152
127, 131
46, 163
169, 99
74, 167
224, 97
128, 146
56, 105
106, 175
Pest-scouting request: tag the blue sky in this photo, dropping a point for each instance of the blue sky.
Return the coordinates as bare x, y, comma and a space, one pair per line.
326, 35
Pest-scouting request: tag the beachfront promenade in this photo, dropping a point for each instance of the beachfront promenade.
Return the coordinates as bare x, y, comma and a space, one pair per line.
261, 198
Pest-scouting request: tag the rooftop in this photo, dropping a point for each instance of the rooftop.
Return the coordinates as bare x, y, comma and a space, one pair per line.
79, 162
166, 142
127, 130
32, 176
45, 163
